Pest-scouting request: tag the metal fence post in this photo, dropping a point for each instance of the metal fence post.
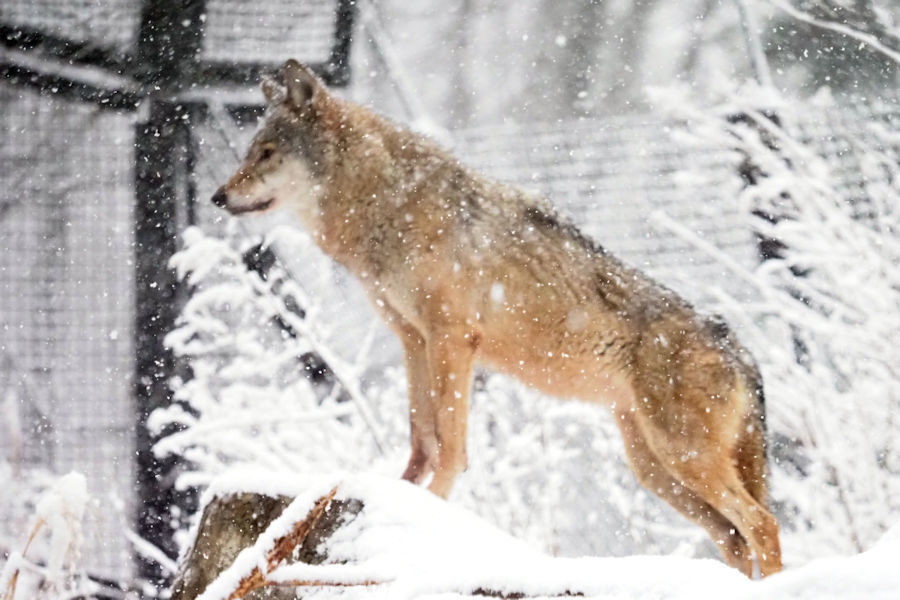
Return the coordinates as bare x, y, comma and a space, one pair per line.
338, 66
169, 43
159, 170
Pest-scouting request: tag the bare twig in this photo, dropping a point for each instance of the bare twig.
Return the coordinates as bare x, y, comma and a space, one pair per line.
10, 592
319, 583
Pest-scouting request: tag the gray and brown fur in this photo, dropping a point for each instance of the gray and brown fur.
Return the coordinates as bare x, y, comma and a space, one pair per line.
466, 269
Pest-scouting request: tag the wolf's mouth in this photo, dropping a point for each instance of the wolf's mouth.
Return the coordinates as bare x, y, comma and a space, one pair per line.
239, 210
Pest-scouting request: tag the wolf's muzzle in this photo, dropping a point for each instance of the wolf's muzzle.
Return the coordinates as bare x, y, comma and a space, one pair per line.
220, 198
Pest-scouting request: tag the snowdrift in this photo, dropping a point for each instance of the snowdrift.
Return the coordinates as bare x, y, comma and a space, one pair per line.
361, 536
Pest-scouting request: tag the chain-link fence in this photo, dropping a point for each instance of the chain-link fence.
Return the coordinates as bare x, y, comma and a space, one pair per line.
67, 303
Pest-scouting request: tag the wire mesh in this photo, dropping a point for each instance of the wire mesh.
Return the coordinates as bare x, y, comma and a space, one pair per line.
247, 31
845, 139
66, 305
111, 23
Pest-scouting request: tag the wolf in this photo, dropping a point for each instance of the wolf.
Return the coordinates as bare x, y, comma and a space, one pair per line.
467, 269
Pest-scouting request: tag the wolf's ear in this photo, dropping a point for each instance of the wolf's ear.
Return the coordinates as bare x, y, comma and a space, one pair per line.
300, 81
274, 91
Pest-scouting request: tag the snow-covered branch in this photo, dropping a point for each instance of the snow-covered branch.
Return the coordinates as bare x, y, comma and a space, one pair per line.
890, 48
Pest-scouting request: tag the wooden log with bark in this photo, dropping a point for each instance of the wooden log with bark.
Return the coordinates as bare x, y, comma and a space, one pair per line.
234, 522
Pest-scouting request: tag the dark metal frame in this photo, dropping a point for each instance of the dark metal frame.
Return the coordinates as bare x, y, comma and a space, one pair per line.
151, 77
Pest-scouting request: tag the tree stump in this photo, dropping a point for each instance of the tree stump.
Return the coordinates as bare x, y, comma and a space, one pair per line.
234, 522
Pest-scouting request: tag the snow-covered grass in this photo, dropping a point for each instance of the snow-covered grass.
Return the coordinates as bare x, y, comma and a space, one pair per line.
407, 543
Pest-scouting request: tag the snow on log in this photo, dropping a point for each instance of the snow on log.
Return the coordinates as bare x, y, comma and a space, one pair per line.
269, 535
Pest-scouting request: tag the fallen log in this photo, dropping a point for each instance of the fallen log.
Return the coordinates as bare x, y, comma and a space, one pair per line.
232, 523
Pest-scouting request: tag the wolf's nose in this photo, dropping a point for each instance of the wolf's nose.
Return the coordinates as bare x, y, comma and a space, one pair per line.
220, 198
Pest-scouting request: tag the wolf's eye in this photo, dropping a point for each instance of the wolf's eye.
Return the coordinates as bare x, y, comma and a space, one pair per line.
266, 154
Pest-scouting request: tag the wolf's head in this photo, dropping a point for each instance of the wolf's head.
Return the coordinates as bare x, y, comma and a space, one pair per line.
284, 164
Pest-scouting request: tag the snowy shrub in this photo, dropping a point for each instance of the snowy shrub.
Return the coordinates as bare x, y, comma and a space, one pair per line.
825, 321
48, 566
19, 494
247, 400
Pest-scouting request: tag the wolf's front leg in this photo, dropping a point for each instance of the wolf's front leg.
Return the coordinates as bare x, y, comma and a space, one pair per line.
451, 355
423, 458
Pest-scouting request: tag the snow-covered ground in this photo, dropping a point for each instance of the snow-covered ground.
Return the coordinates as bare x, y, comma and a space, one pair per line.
411, 544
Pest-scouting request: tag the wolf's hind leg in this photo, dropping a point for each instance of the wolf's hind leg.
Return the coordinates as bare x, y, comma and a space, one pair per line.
728, 494
653, 475
713, 474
